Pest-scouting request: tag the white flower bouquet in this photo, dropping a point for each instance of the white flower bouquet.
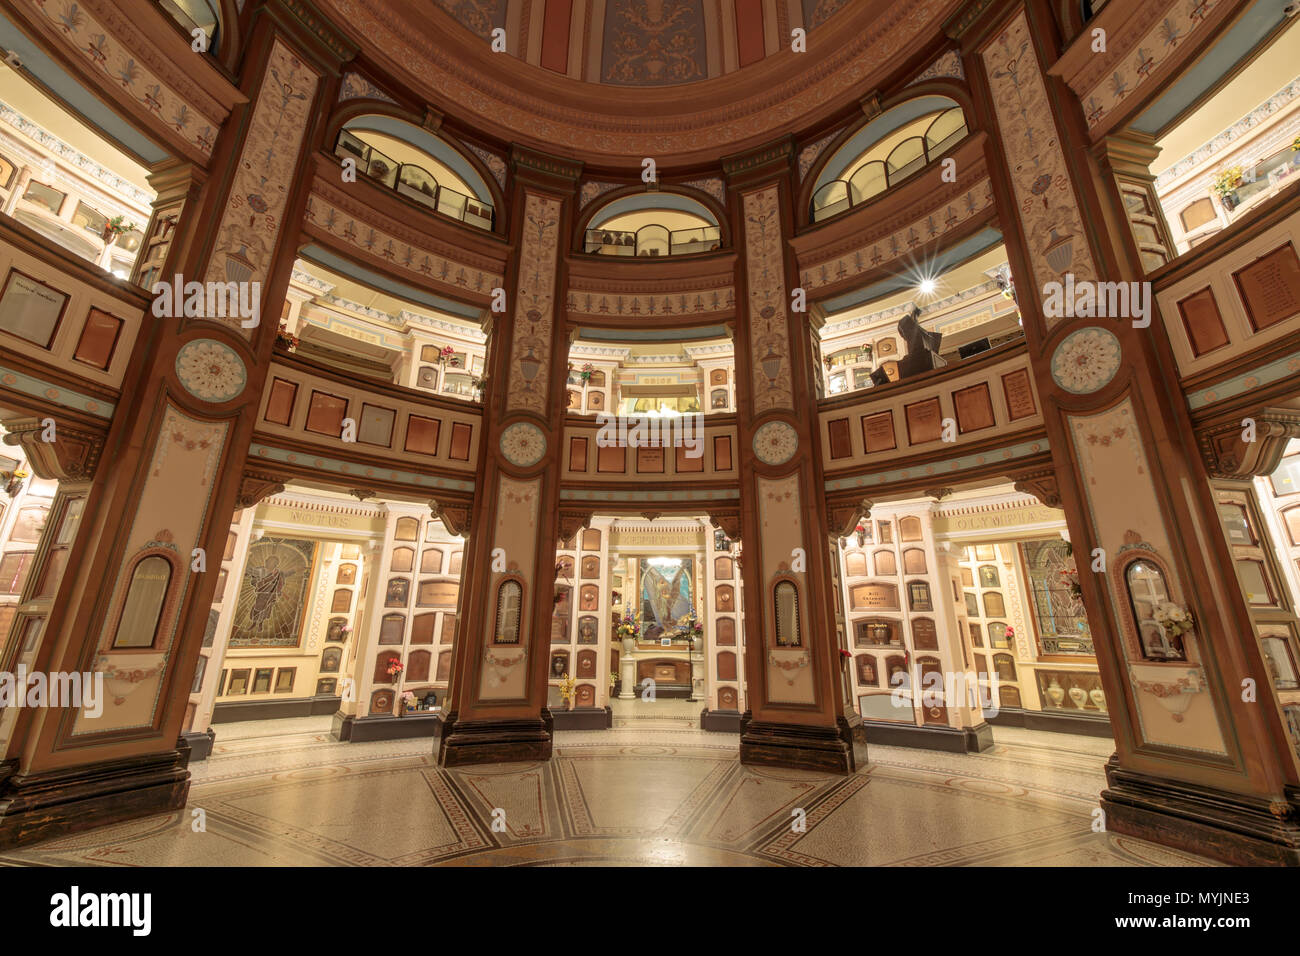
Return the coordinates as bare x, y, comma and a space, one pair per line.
1174, 618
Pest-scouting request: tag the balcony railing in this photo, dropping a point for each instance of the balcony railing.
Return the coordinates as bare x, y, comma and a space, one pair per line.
414, 182
653, 240
873, 178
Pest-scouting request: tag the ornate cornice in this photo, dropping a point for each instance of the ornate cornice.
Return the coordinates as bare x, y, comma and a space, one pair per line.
845, 516
456, 517
320, 27
1041, 484
72, 456
256, 486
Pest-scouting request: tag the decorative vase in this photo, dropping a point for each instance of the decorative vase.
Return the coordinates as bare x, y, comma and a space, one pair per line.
1056, 693
568, 704
697, 643
1098, 697
629, 645
1079, 696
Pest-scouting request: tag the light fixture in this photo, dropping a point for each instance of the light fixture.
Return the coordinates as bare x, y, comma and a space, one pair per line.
927, 286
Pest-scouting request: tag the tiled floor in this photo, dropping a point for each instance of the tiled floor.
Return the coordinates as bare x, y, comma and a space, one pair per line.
652, 790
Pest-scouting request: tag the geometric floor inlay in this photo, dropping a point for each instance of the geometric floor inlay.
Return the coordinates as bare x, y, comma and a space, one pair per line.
653, 790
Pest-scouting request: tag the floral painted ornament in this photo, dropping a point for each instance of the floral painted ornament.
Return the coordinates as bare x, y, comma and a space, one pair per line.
210, 370
775, 443
523, 444
1086, 360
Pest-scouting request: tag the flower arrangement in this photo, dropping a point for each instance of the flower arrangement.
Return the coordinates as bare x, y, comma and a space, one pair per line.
395, 667
284, 339
446, 355
567, 688
845, 656
689, 626
1174, 618
1226, 182
116, 227
1295, 145
865, 350
629, 625
586, 371
613, 679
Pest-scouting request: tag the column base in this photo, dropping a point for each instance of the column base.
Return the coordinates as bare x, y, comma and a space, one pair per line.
838, 749
1229, 827
466, 742
40, 806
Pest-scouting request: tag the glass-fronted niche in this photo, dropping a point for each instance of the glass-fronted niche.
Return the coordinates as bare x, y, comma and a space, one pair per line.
1055, 599
661, 405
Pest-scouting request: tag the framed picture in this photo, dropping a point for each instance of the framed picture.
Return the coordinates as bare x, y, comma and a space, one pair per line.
30, 309
665, 642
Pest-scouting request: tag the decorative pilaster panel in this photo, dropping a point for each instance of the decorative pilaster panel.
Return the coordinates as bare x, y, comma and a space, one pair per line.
1047, 206
769, 331
253, 215
530, 352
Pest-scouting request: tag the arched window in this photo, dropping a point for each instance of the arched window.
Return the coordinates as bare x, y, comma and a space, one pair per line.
145, 598
1147, 590
419, 165
510, 597
885, 151
648, 225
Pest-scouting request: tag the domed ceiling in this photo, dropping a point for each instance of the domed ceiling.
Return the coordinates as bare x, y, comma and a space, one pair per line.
642, 42
603, 80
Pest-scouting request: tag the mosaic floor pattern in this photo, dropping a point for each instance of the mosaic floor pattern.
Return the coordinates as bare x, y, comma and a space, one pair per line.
653, 790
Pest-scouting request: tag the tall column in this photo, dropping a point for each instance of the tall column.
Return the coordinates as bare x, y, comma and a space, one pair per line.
1197, 765
146, 558
497, 699
796, 710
